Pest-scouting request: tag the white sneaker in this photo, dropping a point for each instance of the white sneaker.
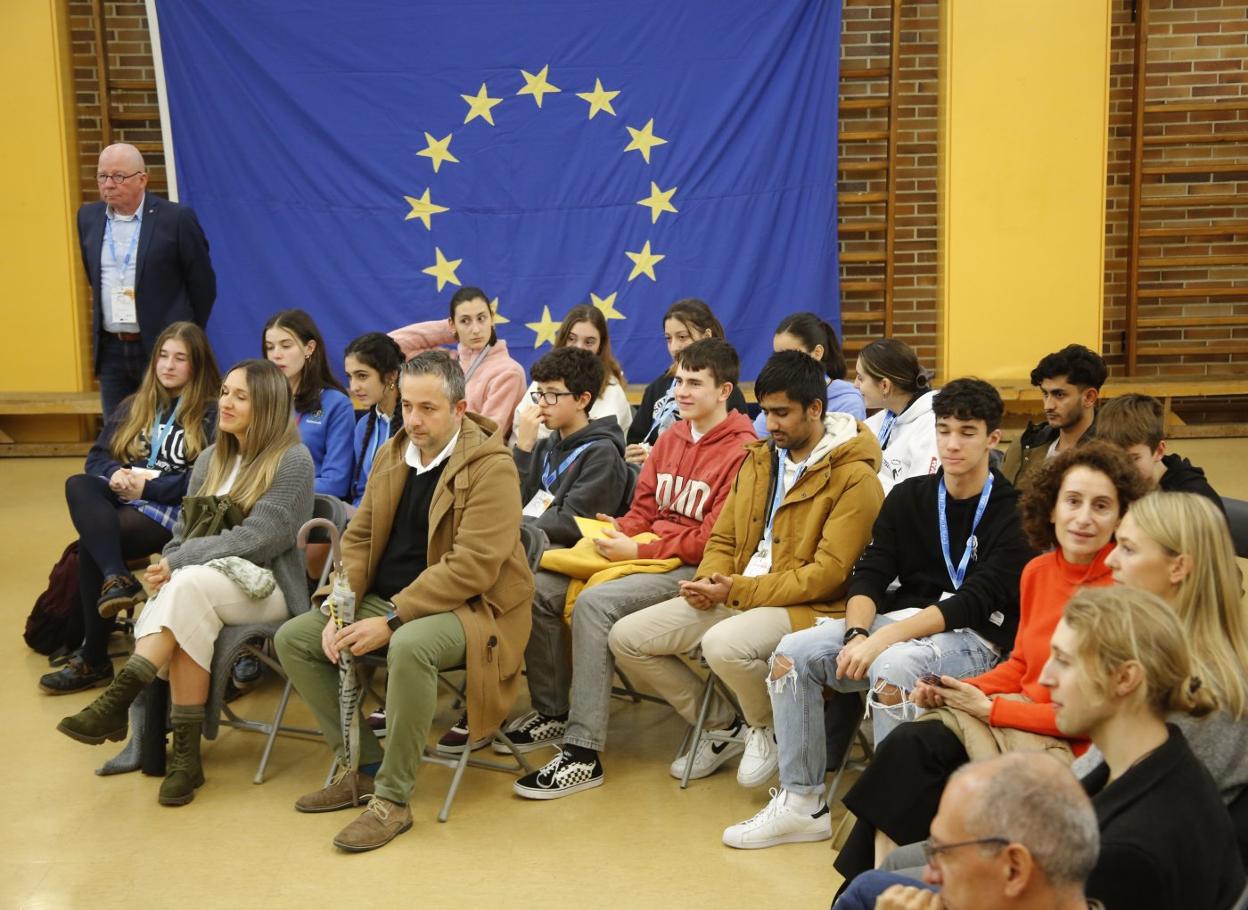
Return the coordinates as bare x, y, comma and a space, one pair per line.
779, 823
761, 758
709, 757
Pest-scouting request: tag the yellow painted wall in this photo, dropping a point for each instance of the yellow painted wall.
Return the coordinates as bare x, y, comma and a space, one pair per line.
1024, 108
40, 342
42, 339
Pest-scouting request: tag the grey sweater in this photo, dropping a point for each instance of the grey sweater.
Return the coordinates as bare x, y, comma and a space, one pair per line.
1219, 741
266, 536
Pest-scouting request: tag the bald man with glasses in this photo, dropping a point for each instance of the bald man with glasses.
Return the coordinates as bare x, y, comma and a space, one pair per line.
148, 264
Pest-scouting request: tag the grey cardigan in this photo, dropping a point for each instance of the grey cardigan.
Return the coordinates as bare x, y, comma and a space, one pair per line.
266, 536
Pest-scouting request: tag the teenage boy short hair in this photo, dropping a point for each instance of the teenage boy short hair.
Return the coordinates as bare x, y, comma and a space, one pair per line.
577, 368
1081, 367
796, 375
1132, 420
713, 354
969, 399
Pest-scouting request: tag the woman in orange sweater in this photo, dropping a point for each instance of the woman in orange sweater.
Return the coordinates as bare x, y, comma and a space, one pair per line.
1072, 510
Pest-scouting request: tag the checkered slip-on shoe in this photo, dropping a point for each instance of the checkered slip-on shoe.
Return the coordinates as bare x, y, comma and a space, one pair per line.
533, 731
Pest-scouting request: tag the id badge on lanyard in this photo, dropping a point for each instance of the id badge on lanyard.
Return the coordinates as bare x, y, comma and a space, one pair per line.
958, 575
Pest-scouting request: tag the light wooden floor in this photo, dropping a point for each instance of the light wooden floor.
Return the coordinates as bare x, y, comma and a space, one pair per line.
71, 839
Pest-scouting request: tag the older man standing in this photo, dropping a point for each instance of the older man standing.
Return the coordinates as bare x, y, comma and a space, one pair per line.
434, 558
148, 264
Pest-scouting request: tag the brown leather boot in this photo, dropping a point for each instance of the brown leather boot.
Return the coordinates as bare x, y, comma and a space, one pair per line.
108, 716
186, 772
347, 789
380, 823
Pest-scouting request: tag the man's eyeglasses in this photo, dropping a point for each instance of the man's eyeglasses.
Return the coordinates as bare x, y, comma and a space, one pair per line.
118, 179
550, 398
931, 849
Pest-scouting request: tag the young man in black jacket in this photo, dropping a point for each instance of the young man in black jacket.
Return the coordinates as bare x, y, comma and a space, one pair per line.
1137, 425
954, 542
579, 469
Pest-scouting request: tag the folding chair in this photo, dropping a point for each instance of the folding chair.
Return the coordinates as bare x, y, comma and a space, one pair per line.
858, 764
698, 732
237, 640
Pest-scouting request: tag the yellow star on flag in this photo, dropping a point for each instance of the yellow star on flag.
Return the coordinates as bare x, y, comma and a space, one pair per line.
659, 201
479, 105
438, 150
443, 269
545, 329
599, 99
607, 305
537, 86
498, 319
422, 208
644, 140
644, 262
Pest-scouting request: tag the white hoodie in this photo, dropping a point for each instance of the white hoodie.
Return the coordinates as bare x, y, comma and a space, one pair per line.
911, 448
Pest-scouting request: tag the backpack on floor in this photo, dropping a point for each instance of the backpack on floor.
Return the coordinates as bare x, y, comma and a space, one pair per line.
54, 626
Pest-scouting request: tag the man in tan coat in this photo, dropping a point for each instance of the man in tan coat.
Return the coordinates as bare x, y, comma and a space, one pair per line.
434, 558
797, 516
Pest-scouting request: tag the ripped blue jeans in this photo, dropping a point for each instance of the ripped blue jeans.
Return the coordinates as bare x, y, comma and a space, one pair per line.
797, 696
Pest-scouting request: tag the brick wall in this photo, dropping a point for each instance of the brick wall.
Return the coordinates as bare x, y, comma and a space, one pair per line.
866, 32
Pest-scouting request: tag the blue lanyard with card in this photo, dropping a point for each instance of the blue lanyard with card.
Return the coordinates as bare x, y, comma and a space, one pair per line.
548, 476
160, 431
778, 498
886, 428
958, 575
112, 247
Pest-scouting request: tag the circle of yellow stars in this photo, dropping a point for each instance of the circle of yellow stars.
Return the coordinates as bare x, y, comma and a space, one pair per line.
537, 86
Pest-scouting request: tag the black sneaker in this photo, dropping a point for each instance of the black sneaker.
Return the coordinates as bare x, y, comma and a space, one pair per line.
246, 672
75, 676
455, 739
120, 592
561, 776
533, 731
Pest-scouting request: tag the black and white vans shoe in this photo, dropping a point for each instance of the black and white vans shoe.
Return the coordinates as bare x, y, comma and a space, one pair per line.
561, 776
533, 731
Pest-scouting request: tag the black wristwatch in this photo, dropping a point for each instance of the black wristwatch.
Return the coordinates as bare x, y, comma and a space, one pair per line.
393, 620
854, 632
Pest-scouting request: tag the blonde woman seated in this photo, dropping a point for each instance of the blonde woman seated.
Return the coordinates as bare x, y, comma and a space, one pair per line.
247, 570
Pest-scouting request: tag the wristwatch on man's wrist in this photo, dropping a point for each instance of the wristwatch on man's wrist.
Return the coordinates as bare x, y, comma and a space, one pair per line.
393, 620
854, 632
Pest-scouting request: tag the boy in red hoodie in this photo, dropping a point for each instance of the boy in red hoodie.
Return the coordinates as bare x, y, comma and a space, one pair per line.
679, 495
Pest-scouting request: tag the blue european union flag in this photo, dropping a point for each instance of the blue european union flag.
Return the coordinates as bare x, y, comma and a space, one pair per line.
360, 160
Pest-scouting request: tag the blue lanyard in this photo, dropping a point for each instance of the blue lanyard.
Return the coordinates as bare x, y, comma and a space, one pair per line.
381, 435
112, 247
548, 476
160, 431
780, 490
886, 428
958, 575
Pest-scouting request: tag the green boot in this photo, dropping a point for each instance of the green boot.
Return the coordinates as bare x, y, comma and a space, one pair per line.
106, 717
185, 771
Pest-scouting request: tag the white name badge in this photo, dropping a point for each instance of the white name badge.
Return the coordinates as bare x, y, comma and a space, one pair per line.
539, 503
124, 309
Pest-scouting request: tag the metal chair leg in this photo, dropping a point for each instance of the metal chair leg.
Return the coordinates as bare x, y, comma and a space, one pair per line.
707, 694
274, 730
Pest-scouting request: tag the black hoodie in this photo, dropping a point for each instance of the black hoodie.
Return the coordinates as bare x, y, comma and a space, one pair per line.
1184, 477
598, 480
905, 545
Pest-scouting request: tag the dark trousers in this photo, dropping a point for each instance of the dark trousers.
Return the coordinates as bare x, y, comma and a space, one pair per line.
109, 533
119, 368
899, 791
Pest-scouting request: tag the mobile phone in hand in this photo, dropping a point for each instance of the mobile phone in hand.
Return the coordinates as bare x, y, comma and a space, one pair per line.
930, 679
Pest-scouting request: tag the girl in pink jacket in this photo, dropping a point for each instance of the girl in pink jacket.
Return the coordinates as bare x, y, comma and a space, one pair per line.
494, 381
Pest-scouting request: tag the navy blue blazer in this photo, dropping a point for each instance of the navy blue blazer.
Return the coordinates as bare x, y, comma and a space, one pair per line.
174, 279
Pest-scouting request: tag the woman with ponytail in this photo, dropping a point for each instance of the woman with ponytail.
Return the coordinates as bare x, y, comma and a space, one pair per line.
1119, 665
890, 378
373, 362
810, 334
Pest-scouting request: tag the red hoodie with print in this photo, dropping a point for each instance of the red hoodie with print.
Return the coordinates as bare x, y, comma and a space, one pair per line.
684, 484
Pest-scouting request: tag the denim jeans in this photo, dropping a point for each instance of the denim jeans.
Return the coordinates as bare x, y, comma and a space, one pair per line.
797, 697
120, 370
582, 689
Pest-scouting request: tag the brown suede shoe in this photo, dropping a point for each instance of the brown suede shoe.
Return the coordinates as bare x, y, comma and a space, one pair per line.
381, 823
347, 789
